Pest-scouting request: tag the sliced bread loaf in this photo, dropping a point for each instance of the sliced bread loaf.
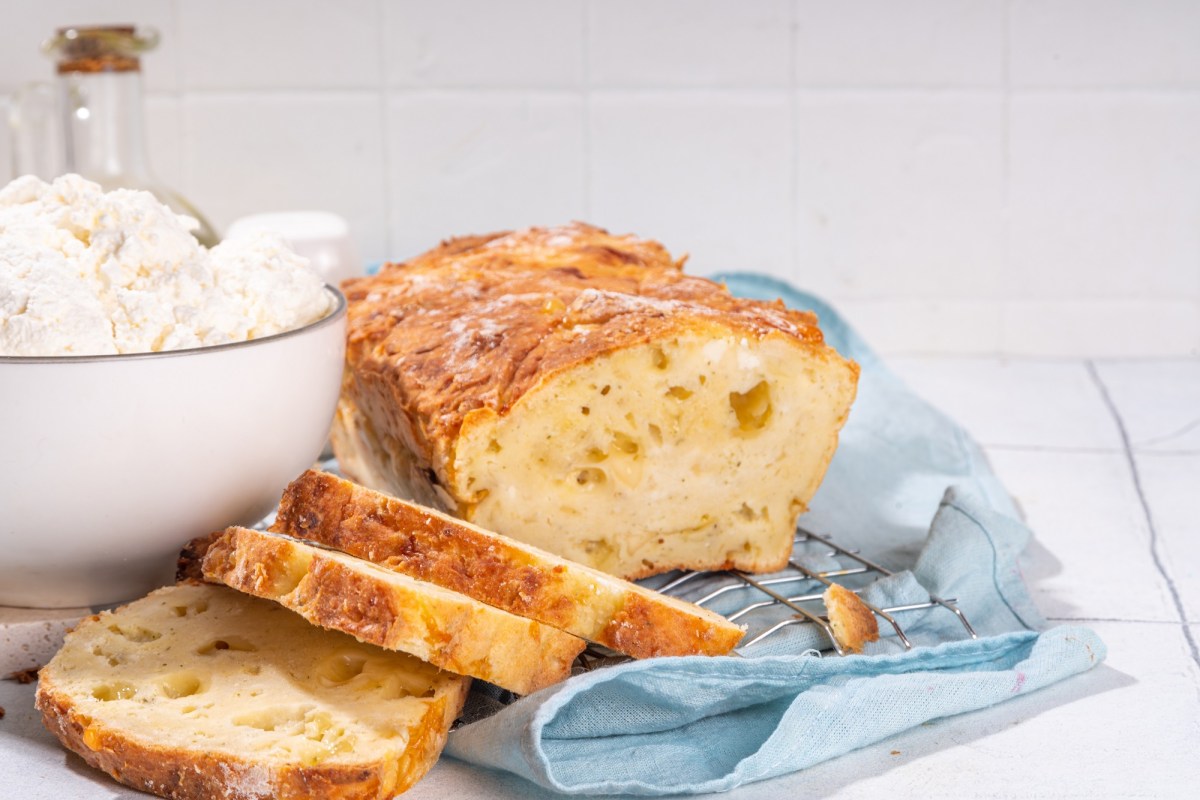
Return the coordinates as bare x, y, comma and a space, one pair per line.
578, 391
431, 546
341, 592
198, 692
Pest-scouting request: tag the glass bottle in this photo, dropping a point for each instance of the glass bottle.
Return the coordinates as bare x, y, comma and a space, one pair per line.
100, 102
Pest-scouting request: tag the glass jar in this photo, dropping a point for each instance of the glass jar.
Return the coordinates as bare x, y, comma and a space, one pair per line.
100, 132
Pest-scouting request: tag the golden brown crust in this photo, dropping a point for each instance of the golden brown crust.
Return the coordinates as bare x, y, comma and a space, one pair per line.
191, 558
355, 597
853, 623
479, 321
648, 628
135, 760
651, 568
493, 569
419, 542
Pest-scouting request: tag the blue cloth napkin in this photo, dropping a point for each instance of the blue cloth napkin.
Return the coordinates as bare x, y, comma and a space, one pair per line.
691, 725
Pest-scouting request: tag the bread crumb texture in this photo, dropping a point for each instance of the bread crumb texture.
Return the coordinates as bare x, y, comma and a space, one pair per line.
198, 691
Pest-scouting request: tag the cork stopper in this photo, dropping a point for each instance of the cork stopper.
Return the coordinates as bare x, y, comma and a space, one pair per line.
104, 48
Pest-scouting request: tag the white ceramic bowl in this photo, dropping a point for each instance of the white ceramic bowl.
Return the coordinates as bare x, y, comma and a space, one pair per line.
111, 463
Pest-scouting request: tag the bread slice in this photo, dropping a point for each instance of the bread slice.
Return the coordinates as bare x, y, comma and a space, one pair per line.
852, 622
577, 391
431, 546
348, 594
197, 692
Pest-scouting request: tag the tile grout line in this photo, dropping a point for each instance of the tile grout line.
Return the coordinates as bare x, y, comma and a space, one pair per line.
385, 151
586, 53
1003, 306
1119, 619
1087, 451
1050, 448
793, 143
976, 90
1137, 485
178, 95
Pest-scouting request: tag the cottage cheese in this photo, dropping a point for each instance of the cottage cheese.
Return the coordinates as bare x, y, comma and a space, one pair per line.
85, 272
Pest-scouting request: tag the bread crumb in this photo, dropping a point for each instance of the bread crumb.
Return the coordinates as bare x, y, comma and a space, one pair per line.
25, 675
895, 752
853, 623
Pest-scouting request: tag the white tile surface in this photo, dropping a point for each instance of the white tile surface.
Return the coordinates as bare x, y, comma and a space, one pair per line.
882, 43
900, 194
27, 24
6, 154
1111, 159
1093, 736
250, 153
29, 637
471, 164
701, 43
1170, 483
1016, 403
1077, 328
1110, 43
164, 138
278, 44
703, 171
1035, 160
1092, 536
1032, 164
521, 43
1159, 402
920, 325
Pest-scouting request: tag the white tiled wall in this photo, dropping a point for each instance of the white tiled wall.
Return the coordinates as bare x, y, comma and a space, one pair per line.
972, 176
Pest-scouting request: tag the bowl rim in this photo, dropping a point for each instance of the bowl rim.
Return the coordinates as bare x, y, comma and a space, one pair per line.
337, 313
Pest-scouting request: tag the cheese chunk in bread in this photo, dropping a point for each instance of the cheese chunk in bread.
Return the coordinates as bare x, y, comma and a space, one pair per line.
198, 692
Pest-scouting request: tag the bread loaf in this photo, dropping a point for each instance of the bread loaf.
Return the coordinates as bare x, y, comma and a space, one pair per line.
340, 592
430, 546
198, 692
577, 391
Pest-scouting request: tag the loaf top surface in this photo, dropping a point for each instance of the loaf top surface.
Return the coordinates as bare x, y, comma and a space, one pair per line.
480, 320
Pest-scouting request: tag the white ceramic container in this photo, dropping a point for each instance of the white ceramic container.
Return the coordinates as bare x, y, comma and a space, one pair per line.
108, 464
320, 236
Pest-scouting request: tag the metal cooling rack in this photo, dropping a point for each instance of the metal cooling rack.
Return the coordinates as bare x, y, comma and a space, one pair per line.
763, 593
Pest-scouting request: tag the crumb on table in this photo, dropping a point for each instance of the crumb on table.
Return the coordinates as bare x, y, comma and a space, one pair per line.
25, 675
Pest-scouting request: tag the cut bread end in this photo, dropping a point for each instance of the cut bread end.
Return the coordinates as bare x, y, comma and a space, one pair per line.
693, 452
